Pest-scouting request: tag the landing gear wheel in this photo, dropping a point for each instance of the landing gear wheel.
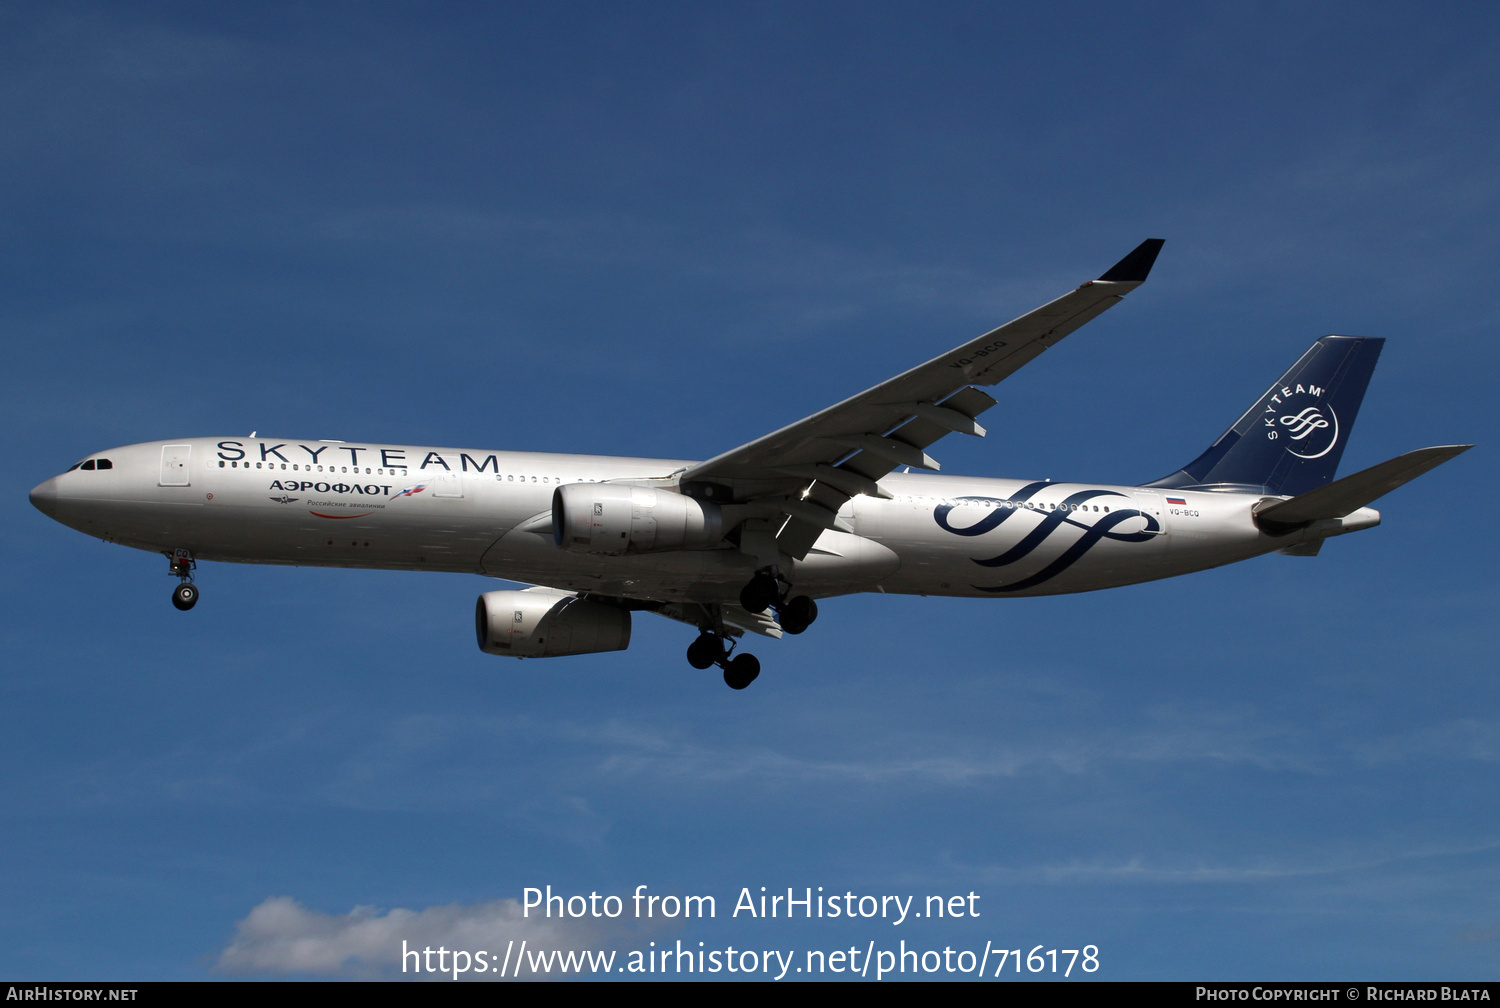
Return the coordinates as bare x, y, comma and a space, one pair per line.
706, 651
185, 596
798, 614
741, 670
761, 593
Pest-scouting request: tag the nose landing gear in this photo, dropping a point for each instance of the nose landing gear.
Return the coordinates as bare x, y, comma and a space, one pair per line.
185, 595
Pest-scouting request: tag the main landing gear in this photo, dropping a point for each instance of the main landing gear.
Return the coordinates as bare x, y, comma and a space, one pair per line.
795, 613
711, 648
185, 595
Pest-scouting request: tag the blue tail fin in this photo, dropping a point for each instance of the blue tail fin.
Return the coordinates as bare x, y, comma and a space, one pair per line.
1291, 440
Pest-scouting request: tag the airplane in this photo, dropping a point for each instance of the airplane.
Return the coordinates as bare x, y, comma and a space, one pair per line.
747, 541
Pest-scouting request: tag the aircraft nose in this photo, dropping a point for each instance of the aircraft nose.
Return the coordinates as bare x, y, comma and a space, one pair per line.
44, 497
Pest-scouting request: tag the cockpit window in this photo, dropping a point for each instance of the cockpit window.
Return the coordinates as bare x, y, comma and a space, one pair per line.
92, 464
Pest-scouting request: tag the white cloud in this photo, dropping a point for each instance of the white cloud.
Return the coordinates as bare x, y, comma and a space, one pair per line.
282, 936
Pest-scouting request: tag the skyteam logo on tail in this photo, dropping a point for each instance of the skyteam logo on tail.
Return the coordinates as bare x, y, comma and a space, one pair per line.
1298, 416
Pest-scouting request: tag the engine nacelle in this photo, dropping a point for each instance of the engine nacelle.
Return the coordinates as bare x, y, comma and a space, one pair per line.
615, 519
543, 623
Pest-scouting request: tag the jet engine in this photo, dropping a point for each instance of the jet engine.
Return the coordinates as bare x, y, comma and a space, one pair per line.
615, 519
543, 623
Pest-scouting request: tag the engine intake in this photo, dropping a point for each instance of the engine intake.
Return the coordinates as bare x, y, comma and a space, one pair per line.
615, 519
544, 623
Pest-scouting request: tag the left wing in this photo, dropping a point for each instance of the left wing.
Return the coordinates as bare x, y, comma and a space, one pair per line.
799, 477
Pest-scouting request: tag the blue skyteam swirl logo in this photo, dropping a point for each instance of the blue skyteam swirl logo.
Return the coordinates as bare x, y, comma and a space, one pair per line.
1298, 417
1094, 527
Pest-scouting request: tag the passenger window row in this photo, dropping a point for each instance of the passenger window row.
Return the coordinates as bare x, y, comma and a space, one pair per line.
298, 467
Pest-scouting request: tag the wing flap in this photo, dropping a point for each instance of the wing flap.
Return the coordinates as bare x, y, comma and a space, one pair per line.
737, 621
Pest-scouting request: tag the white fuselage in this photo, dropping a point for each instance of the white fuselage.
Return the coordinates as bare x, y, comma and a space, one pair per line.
340, 504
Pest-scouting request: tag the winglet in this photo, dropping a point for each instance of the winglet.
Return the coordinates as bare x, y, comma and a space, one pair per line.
1134, 267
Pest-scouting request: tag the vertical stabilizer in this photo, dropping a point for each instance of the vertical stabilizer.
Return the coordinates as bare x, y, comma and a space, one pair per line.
1291, 440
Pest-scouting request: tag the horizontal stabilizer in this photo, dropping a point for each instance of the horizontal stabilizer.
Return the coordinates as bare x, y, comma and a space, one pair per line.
1347, 495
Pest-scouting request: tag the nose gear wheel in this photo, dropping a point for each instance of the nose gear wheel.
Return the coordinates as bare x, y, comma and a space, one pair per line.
185, 595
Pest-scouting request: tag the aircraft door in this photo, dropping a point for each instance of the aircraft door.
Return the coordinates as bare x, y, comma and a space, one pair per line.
175, 459
1151, 504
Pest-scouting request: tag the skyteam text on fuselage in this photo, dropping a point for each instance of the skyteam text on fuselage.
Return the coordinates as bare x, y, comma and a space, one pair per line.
746, 541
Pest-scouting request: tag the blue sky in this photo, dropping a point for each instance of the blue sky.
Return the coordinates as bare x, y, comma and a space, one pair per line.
665, 229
